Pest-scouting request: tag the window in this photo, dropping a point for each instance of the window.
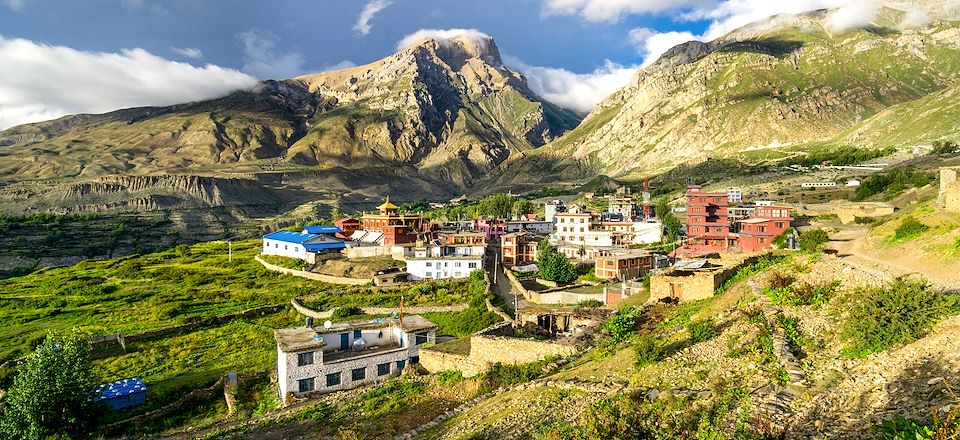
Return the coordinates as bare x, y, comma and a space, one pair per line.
356, 334
304, 358
457, 264
421, 338
429, 264
285, 248
333, 379
358, 374
305, 385
472, 265
383, 369
401, 364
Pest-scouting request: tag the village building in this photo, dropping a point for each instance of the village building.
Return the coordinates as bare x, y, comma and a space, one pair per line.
300, 245
348, 225
535, 226
738, 213
758, 232
347, 355
550, 210
434, 260
396, 228
708, 225
818, 185
519, 248
624, 206
624, 265
491, 228
472, 238
734, 195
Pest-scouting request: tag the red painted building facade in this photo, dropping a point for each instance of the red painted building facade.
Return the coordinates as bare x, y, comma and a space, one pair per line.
758, 232
708, 224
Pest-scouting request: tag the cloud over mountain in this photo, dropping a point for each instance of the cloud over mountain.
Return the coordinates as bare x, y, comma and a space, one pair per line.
40, 81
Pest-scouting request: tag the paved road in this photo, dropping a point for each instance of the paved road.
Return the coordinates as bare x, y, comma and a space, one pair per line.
499, 282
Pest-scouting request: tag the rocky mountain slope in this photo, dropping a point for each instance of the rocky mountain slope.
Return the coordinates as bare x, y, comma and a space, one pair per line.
787, 82
440, 113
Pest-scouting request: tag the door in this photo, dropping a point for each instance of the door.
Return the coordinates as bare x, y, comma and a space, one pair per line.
676, 290
344, 341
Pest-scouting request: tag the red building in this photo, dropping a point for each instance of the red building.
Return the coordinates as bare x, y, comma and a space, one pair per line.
348, 226
758, 232
708, 225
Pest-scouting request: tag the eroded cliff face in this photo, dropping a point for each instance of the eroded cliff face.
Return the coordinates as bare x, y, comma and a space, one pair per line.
787, 81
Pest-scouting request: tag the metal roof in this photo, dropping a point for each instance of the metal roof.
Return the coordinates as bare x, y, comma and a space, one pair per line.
322, 229
120, 388
290, 237
324, 246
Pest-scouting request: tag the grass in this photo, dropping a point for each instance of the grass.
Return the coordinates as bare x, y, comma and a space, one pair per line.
147, 292
909, 229
702, 330
763, 263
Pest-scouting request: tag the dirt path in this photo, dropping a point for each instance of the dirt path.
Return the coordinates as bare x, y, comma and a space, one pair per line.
854, 248
500, 284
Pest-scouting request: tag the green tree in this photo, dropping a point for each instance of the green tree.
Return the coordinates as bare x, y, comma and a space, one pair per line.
496, 206
521, 207
813, 240
51, 394
669, 221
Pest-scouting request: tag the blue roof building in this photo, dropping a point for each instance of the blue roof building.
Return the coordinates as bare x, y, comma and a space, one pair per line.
122, 394
322, 229
302, 245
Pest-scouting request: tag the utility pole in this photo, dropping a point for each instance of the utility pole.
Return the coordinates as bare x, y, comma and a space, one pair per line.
230, 250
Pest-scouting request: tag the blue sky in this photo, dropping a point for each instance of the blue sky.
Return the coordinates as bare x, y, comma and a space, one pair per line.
64, 56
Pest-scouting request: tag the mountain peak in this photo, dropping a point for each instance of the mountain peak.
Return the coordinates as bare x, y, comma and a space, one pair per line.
455, 44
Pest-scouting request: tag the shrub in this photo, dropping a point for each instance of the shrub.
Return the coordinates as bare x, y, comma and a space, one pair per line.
649, 351
182, 250
589, 304
760, 265
899, 312
803, 294
779, 279
621, 325
701, 330
346, 312
909, 229
813, 240
892, 182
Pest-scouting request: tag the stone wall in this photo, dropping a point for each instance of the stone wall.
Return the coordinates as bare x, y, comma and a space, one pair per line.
435, 361
368, 251
949, 197
847, 211
508, 350
315, 276
690, 286
415, 310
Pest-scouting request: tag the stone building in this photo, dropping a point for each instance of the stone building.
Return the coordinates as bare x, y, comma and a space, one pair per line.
624, 265
949, 197
342, 356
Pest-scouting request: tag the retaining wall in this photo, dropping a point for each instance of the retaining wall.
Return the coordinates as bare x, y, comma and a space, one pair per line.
306, 311
314, 276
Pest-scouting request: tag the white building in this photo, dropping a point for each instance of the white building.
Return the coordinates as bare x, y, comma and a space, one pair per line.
818, 185
647, 232
347, 355
542, 227
300, 245
550, 210
439, 268
734, 195
853, 183
622, 206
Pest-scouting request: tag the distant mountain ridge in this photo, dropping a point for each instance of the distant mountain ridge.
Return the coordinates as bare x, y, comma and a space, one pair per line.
784, 82
437, 113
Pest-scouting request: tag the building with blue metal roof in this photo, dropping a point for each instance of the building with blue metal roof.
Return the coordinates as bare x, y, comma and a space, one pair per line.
301, 245
322, 229
122, 394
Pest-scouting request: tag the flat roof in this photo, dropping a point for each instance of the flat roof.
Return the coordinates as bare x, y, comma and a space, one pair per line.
322, 229
756, 220
289, 237
307, 338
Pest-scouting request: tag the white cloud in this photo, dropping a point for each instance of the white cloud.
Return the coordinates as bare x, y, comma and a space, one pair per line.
579, 92
652, 44
915, 18
369, 11
614, 10
40, 81
261, 60
853, 15
345, 64
189, 52
443, 36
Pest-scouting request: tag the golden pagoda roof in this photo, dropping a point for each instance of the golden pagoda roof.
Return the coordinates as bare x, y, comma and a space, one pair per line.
388, 205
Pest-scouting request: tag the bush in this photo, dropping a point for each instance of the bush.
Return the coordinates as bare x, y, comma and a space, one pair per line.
649, 351
803, 294
346, 312
779, 280
701, 330
909, 229
813, 240
901, 428
744, 272
944, 147
621, 325
590, 304
898, 313
892, 182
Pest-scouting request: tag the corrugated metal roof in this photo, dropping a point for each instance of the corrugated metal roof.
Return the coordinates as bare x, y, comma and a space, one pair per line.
322, 229
324, 246
120, 388
289, 237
